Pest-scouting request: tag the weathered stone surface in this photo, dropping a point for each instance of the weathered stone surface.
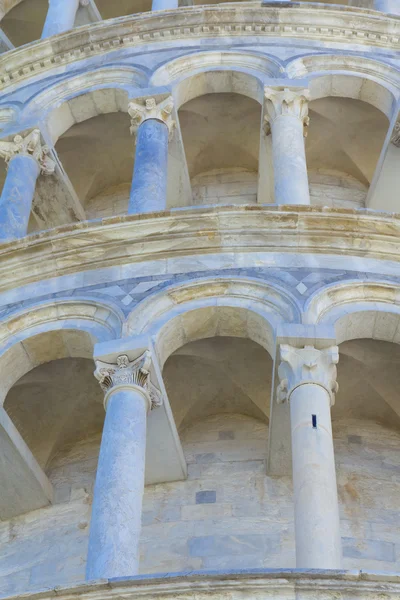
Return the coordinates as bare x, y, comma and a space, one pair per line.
192, 275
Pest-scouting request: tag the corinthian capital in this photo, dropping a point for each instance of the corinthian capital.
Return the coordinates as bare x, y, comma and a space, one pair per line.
148, 108
280, 102
126, 372
29, 145
307, 365
395, 139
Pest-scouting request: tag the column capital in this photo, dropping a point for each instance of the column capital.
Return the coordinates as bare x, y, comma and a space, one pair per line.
395, 137
29, 145
300, 366
126, 372
143, 109
280, 101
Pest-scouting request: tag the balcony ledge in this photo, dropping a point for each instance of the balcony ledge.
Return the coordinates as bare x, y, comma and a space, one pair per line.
130, 239
261, 583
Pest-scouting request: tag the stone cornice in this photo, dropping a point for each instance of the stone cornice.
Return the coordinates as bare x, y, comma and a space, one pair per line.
132, 239
311, 22
207, 585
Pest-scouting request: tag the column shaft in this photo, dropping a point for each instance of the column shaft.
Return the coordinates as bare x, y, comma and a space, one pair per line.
164, 4
317, 525
149, 184
391, 7
60, 17
289, 160
16, 198
118, 495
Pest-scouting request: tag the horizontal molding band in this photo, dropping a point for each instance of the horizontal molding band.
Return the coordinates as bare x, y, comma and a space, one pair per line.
121, 240
262, 583
311, 22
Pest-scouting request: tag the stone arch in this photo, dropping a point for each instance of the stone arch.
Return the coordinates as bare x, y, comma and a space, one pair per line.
53, 330
6, 6
209, 308
354, 77
203, 73
358, 310
85, 96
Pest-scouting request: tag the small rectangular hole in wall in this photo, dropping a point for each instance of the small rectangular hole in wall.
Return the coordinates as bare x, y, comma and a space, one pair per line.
206, 497
314, 421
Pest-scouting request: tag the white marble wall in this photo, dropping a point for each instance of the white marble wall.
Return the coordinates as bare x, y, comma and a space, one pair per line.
236, 186
227, 515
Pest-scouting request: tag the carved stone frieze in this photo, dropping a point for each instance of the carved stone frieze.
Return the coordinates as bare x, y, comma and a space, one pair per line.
150, 109
300, 366
133, 31
29, 145
127, 372
286, 101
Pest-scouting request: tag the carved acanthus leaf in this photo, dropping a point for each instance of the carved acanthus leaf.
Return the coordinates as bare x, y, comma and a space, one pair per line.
395, 139
280, 102
300, 366
162, 111
29, 145
126, 372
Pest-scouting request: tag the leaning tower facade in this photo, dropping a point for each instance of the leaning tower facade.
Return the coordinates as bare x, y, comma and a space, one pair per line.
200, 300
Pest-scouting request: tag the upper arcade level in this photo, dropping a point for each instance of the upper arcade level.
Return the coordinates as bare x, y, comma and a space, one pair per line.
24, 21
198, 104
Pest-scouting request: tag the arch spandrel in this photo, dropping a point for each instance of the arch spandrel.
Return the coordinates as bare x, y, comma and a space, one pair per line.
116, 77
53, 331
191, 64
194, 75
354, 77
311, 65
212, 307
83, 107
358, 310
6, 6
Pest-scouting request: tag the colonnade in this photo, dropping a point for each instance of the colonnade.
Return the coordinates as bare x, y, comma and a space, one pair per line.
152, 124
307, 378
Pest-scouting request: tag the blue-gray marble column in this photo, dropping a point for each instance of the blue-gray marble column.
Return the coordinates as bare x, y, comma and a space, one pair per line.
164, 4
118, 494
391, 7
60, 17
286, 114
308, 383
17, 195
149, 184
